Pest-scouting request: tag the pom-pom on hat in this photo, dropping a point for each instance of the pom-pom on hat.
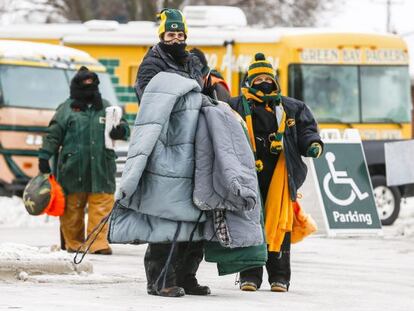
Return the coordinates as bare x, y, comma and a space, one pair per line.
83, 74
259, 67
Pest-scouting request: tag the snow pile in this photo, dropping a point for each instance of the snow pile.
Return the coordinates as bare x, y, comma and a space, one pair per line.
50, 265
405, 223
14, 214
21, 252
407, 228
23, 262
82, 278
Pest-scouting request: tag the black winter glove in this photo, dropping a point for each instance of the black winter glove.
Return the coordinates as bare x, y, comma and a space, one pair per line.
117, 132
44, 166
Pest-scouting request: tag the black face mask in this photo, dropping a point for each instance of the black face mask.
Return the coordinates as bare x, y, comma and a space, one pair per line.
176, 50
84, 94
265, 87
88, 91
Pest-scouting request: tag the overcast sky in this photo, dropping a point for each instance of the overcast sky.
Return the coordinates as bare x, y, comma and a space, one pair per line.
371, 15
360, 15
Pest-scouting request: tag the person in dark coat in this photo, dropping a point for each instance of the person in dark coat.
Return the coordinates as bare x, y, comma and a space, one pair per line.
170, 55
214, 84
86, 168
281, 130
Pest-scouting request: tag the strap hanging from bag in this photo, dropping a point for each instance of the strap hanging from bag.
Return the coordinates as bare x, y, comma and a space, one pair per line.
99, 227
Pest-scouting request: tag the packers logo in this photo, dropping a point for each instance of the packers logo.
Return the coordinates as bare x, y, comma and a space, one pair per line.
174, 26
290, 122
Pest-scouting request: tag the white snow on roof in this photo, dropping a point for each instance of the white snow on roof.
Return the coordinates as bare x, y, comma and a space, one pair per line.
204, 15
24, 49
145, 33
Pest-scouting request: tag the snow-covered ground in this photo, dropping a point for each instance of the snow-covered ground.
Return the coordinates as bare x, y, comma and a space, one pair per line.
14, 215
404, 225
327, 274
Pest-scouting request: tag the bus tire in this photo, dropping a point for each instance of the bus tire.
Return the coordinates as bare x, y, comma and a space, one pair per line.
387, 200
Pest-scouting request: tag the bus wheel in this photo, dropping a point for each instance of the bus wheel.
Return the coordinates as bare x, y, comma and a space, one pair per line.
387, 200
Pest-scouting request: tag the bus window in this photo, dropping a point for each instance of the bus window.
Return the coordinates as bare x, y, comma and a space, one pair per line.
33, 87
385, 94
105, 86
331, 91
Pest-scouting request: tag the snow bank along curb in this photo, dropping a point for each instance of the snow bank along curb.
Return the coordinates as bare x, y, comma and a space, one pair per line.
14, 215
18, 260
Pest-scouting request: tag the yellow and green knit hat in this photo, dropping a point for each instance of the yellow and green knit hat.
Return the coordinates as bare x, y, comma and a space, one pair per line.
171, 20
260, 66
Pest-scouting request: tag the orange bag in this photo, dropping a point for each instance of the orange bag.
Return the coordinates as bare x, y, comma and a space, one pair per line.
303, 224
56, 205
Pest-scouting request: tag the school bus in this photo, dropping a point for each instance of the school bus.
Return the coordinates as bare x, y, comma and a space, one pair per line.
34, 80
349, 80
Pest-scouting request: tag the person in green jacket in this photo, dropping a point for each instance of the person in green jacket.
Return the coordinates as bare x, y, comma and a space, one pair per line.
86, 169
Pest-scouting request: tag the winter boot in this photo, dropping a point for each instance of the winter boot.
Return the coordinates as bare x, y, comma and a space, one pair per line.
105, 251
278, 267
189, 256
154, 261
279, 286
248, 286
251, 279
191, 287
69, 250
173, 291
197, 290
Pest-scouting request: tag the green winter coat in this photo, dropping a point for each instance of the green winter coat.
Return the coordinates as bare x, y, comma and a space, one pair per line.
234, 260
84, 164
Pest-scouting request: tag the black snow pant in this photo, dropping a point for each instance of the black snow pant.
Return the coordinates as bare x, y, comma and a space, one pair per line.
277, 266
183, 265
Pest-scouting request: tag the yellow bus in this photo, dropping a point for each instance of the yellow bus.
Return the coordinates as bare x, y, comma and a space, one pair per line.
350, 80
34, 80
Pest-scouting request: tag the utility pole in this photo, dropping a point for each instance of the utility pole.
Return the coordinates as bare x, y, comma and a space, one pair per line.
388, 6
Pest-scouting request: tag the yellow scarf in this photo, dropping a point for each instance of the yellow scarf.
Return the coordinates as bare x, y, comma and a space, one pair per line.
276, 145
280, 216
278, 207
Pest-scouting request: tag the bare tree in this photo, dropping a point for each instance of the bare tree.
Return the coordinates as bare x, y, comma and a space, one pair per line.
71, 9
175, 4
258, 12
132, 7
148, 9
277, 12
83, 10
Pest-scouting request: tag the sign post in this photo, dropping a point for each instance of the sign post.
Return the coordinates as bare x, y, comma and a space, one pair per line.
343, 189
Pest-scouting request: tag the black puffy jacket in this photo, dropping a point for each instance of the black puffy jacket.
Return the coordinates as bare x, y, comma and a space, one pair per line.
156, 60
299, 135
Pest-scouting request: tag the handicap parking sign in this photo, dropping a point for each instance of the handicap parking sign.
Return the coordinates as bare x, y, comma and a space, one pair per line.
345, 187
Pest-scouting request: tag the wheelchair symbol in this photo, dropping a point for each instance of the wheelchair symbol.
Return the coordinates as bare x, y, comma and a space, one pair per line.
340, 178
